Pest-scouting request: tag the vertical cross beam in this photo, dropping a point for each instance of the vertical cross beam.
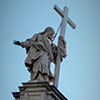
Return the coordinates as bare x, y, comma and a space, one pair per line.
63, 23
64, 15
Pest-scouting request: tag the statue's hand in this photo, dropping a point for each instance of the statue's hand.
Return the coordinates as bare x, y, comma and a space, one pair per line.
17, 42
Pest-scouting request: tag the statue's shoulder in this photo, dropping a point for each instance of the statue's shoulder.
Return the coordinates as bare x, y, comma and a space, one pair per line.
38, 34
35, 36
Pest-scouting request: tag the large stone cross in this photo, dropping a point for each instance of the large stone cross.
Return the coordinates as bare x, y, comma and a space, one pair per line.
65, 20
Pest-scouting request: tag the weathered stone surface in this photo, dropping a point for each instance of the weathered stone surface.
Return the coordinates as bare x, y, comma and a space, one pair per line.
39, 90
41, 51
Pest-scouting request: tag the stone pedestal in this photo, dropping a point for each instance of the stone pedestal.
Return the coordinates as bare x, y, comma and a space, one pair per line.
38, 91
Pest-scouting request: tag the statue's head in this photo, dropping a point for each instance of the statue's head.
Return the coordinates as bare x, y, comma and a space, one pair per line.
50, 30
49, 33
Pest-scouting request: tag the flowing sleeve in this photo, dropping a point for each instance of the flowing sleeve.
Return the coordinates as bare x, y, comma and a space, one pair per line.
28, 43
54, 51
62, 47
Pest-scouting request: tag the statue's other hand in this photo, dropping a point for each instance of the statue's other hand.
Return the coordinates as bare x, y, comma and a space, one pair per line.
17, 42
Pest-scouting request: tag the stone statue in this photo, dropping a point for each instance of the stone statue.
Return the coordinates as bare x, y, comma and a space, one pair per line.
41, 51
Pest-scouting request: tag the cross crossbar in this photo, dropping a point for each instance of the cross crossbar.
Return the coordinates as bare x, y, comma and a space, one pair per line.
69, 21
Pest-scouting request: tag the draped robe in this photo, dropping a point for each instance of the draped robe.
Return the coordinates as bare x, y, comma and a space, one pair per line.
40, 54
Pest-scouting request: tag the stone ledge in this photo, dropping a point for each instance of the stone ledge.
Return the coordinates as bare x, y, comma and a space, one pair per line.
38, 90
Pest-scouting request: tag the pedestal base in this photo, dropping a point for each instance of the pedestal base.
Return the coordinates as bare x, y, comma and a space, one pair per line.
38, 91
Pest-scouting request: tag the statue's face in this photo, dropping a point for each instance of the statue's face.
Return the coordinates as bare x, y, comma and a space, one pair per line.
50, 34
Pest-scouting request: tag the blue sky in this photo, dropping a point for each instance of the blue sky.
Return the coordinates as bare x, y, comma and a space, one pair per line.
80, 71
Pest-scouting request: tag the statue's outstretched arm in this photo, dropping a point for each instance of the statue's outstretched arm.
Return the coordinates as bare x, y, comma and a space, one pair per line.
26, 44
17, 43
